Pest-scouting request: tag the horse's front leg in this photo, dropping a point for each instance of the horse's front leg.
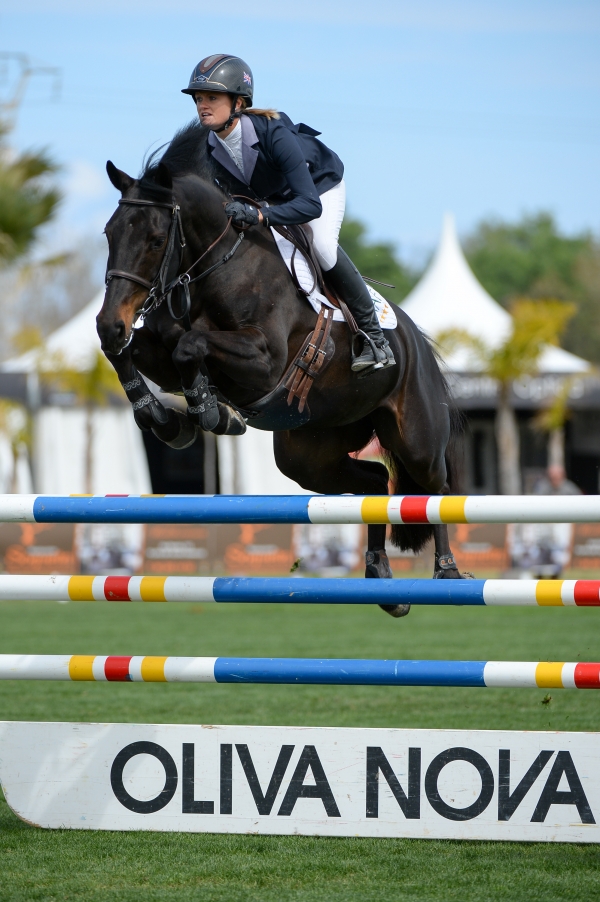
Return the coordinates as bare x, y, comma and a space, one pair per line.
242, 356
146, 352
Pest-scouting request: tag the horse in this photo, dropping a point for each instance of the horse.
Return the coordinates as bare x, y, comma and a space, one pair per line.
239, 326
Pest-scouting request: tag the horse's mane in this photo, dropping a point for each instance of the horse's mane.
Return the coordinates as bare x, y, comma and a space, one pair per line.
187, 154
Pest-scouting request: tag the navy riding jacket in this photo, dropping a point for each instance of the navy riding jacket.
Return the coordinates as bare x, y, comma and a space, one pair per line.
284, 164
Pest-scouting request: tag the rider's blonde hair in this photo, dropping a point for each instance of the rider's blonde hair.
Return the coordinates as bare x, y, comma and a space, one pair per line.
252, 111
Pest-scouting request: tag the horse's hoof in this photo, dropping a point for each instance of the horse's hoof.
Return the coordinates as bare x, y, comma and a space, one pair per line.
230, 421
396, 610
186, 431
378, 566
452, 574
447, 574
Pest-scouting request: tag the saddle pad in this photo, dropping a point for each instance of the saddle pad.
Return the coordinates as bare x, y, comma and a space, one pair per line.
385, 314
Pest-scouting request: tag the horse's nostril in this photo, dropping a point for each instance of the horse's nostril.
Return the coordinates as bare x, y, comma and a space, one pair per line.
112, 334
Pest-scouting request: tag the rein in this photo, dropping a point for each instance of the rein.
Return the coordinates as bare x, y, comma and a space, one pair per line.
160, 288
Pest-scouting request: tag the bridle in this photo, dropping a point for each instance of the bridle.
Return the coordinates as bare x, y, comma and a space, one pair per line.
161, 286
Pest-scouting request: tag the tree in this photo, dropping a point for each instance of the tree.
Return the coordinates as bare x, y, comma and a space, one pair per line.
27, 201
535, 325
377, 260
531, 258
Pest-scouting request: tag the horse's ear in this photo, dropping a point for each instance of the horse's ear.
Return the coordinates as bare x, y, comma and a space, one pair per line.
163, 176
119, 179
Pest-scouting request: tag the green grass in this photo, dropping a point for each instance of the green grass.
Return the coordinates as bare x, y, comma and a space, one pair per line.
44, 865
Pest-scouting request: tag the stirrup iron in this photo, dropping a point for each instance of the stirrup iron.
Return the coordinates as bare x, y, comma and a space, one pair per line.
377, 363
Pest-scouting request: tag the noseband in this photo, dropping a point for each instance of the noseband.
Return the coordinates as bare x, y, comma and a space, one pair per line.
160, 288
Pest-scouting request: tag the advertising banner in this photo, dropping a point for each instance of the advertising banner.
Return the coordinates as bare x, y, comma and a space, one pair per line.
477, 547
219, 548
586, 546
31, 548
453, 784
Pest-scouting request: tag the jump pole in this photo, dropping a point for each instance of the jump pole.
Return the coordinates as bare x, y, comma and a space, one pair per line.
291, 590
339, 509
296, 671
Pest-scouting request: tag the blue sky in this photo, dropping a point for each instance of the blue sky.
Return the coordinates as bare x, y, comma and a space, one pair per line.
481, 108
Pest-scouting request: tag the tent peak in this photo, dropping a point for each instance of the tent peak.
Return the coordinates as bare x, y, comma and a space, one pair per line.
448, 296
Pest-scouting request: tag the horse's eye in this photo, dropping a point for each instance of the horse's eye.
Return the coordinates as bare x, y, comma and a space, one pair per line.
158, 242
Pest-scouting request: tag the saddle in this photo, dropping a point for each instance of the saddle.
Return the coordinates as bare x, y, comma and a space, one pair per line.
301, 237
275, 412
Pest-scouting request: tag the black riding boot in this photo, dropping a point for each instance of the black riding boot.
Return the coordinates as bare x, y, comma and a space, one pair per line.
346, 281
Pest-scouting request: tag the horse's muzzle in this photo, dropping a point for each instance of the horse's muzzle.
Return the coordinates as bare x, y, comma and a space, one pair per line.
113, 334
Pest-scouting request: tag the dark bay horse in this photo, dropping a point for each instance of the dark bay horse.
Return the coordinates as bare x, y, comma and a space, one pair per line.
248, 324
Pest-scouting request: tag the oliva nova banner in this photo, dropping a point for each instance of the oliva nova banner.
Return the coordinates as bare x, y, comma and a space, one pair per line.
304, 780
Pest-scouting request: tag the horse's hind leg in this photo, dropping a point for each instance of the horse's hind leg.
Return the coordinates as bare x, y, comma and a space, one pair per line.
320, 461
445, 565
419, 457
377, 566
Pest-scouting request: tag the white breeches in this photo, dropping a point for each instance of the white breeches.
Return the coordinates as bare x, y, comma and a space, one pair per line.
326, 228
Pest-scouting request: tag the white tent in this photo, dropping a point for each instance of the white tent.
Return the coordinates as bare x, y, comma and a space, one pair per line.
449, 296
247, 466
119, 462
75, 342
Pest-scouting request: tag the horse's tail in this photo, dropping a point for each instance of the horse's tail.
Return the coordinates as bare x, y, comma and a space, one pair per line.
454, 450
415, 537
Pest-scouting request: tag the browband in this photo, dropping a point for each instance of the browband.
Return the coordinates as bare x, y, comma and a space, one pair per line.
147, 203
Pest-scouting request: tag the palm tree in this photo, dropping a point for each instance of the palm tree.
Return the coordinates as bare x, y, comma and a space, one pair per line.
535, 324
552, 420
27, 202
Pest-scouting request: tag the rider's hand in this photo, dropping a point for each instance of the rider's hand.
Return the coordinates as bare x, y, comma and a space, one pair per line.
242, 214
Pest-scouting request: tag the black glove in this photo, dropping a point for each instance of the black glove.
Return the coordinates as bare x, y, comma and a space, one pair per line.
242, 214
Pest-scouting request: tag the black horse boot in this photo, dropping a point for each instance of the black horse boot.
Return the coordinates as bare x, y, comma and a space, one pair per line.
203, 407
346, 281
169, 425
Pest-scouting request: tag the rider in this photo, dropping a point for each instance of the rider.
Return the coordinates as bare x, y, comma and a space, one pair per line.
299, 177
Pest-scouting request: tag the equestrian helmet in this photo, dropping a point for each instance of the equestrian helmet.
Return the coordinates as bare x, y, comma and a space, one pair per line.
224, 74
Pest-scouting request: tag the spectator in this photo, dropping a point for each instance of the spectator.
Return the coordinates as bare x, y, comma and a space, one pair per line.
542, 550
555, 482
